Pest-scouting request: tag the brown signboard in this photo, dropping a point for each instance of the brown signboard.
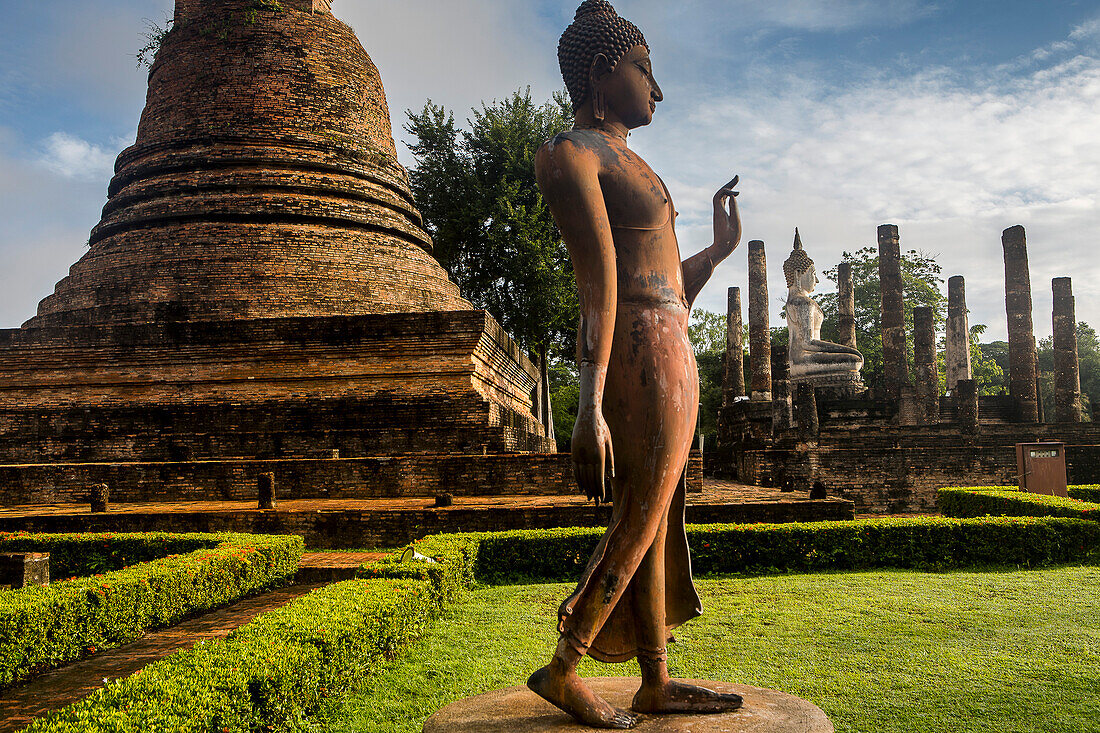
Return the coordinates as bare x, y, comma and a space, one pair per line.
1042, 468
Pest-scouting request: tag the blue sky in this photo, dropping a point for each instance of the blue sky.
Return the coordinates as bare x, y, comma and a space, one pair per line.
952, 119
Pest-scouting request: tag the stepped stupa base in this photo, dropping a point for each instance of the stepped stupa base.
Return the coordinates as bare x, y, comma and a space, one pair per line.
518, 710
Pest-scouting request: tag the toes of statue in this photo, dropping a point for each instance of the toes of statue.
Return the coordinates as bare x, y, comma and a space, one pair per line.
677, 697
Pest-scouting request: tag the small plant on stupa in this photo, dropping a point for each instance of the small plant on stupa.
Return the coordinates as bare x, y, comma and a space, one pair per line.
154, 37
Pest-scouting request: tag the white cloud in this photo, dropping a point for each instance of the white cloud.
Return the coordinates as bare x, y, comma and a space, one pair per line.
953, 164
71, 157
46, 218
1090, 29
836, 15
456, 53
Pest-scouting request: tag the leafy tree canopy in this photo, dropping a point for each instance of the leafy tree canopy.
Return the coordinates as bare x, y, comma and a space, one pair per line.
493, 232
921, 284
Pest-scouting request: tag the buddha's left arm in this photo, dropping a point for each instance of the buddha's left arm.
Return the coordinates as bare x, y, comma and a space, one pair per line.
699, 267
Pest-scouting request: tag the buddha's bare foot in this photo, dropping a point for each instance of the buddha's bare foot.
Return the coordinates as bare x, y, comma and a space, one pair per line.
678, 697
567, 691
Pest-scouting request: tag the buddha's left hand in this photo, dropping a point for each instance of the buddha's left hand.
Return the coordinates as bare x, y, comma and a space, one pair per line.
727, 224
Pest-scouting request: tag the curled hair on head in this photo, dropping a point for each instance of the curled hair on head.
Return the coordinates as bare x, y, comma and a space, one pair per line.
596, 29
797, 263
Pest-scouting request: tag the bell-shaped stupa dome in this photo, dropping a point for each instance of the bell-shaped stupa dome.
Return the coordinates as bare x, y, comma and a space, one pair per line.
263, 183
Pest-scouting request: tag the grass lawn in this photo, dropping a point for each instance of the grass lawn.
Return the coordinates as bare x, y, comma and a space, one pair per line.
880, 652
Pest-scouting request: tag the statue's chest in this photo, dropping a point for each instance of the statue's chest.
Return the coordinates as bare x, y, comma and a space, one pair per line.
818, 317
635, 196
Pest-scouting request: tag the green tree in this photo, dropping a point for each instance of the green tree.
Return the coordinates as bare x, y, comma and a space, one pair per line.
565, 397
707, 332
921, 283
1088, 359
985, 369
492, 231
1088, 355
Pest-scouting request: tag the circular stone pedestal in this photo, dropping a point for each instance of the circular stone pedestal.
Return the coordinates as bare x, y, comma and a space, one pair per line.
518, 710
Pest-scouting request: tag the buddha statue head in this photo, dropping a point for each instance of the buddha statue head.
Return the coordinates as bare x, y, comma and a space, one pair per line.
799, 268
604, 61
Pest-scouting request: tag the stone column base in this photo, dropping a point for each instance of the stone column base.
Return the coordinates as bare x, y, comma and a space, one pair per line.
833, 386
518, 710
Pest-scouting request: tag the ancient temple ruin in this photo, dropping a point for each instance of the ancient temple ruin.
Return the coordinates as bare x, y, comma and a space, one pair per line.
891, 450
260, 288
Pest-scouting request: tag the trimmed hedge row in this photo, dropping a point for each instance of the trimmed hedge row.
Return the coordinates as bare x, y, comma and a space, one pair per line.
1088, 492
270, 674
923, 543
981, 501
76, 555
286, 665
41, 628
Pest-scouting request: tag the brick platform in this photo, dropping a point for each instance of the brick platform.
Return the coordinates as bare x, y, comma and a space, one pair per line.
393, 522
861, 454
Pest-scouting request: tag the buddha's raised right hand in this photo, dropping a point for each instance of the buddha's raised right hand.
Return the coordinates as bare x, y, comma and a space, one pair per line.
593, 455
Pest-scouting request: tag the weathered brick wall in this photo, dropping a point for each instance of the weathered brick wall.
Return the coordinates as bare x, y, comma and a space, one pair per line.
892, 468
348, 529
376, 477
363, 385
864, 455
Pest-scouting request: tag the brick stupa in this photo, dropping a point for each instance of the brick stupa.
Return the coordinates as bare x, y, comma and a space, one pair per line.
260, 285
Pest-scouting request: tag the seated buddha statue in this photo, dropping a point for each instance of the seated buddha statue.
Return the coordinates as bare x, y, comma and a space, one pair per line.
822, 363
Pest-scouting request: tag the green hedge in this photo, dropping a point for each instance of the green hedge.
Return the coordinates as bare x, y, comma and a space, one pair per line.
926, 543
284, 666
270, 674
76, 555
41, 628
1089, 492
981, 501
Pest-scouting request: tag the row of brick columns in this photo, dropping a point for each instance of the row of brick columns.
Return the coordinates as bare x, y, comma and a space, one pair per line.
1023, 361
924, 394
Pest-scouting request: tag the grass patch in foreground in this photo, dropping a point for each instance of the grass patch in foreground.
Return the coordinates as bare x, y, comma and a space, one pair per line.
880, 652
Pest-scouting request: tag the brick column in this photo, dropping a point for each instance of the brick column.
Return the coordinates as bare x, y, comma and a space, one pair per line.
733, 374
760, 344
1067, 375
782, 407
957, 355
895, 362
924, 364
1022, 360
965, 398
805, 408
846, 305
265, 490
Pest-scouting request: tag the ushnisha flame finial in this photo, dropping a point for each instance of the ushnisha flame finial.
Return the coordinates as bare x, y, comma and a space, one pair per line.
798, 262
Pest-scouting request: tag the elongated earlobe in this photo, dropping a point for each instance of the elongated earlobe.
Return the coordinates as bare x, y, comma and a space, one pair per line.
599, 106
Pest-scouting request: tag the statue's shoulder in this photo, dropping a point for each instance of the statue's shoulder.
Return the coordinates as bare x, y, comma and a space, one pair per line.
572, 150
573, 142
799, 299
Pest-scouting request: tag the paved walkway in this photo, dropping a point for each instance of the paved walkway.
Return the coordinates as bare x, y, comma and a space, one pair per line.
319, 559
61, 687
714, 492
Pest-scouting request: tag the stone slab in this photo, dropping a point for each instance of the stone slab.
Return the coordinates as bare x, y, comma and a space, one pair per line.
518, 710
24, 569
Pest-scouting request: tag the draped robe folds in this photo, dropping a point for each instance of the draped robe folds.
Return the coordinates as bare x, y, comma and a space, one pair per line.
616, 641
651, 399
